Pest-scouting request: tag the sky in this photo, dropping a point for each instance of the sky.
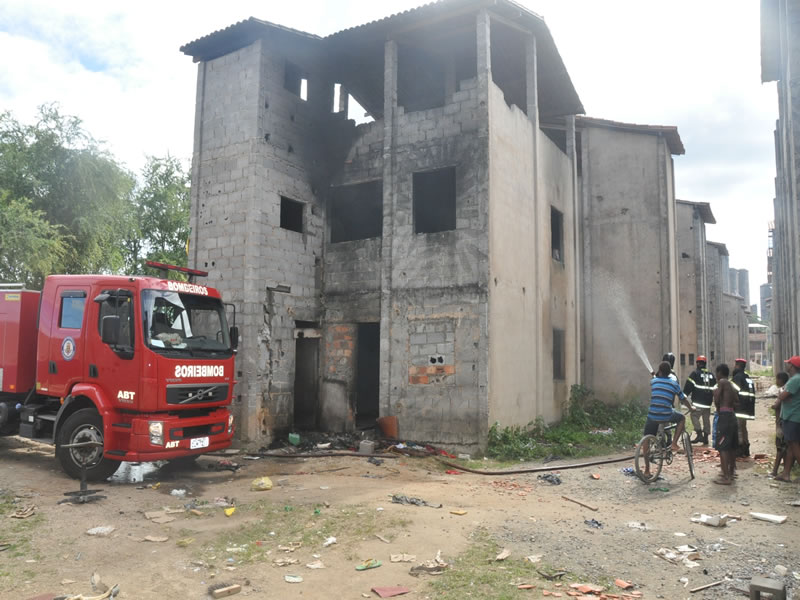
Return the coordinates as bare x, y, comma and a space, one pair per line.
694, 64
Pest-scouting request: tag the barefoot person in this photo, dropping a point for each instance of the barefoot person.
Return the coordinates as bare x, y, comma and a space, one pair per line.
727, 438
780, 445
790, 417
663, 389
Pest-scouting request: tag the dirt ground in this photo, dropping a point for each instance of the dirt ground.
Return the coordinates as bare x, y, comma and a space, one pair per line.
522, 513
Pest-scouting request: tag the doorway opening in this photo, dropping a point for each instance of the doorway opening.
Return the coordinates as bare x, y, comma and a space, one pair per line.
367, 374
306, 377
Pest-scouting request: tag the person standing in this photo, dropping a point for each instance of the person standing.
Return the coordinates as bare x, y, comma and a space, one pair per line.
725, 399
700, 385
790, 417
746, 409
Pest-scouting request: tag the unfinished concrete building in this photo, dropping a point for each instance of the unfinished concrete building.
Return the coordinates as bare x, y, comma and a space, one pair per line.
629, 264
780, 61
693, 292
422, 265
727, 312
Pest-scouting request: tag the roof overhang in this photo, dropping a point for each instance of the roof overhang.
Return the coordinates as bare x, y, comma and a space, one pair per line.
668, 132
703, 209
722, 248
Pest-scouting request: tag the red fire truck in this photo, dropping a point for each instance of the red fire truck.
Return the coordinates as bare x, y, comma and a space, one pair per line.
114, 368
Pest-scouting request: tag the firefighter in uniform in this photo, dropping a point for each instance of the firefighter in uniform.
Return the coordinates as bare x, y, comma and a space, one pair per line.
746, 410
700, 385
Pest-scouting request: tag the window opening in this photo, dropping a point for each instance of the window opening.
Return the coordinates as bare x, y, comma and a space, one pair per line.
557, 234
691, 359
683, 359
435, 200
420, 79
356, 211
559, 371
356, 112
291, 215
295, 81
71, 314
337, 96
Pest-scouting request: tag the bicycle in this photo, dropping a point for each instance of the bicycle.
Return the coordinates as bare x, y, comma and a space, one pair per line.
655, 450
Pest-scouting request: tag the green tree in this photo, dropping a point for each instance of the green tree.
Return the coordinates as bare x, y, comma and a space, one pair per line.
32, 248
72, 184
160, 227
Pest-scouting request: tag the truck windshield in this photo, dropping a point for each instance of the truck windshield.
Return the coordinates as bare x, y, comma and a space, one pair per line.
184, 323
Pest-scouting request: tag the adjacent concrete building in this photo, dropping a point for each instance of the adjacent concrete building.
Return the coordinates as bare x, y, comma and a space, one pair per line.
629, 264
695, 325
423, 265
780, 61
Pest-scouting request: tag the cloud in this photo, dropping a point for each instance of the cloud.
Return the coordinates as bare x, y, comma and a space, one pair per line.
685, 63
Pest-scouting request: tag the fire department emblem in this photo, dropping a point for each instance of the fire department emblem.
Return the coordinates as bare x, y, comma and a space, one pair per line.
68, 348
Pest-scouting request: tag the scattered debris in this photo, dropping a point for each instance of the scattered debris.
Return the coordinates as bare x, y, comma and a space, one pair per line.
687, 559
638, 525
294, 439
403, 558
659, 489
552, 576
622, 584
454, 472
293, 579
550, 478
370, 563
184, 542
777, 519
526, 586
230, 511
593, 523
464, 457
608, 431
710, 520
375, 461
227, 465
398, 499
317, 564
155, 538
390, 592
705, 587
587, 588
329, 541
222, 590
178, 493
261, 484
159, 516
628, 471
436, 566
780, 570
460, 513
503, 555
285, 561
383, 539
102, 531
794, 503
23, 512
578, 502
595, 476
534, 558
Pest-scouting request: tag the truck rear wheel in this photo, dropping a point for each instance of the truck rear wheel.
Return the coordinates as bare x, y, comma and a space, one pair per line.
84, 425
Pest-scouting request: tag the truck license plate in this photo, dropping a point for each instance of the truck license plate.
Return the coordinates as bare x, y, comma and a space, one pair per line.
198, 443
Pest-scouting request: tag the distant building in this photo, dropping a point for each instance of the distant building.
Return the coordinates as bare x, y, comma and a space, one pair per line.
757, 339
695, 316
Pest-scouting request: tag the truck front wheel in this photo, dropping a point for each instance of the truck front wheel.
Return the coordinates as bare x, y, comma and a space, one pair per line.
84, 425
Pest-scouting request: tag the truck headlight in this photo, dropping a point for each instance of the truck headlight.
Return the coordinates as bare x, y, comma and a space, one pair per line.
230, 424
157, 433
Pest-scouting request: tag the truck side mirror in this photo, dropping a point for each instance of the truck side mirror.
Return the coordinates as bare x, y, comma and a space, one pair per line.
234, 335
109, 330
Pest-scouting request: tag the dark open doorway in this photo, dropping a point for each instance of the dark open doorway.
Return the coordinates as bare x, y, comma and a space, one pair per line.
367, 374
305, 383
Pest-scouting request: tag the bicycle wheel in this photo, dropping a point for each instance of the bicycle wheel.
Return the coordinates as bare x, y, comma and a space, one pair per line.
687, 447
652, 457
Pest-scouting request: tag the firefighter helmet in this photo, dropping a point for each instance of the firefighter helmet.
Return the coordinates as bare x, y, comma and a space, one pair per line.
701, 359
670, 358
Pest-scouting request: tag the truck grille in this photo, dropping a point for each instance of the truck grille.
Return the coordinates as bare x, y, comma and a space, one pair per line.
197, 394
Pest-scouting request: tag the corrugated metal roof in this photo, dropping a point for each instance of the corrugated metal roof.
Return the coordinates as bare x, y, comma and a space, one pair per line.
670, 132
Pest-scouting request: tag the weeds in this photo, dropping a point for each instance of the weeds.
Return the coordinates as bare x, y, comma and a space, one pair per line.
589, 427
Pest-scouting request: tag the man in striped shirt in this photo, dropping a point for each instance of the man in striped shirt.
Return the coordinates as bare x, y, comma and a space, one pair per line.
663, 390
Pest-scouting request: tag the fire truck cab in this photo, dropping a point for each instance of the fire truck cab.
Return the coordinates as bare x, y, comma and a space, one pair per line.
141, 366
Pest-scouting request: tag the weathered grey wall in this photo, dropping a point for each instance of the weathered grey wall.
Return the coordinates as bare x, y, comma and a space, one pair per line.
692, 288
715, 273
516, 326
629, 264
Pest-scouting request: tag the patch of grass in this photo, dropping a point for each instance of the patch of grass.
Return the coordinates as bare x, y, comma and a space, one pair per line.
475, 574
310, 525
17, 532
573, 436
